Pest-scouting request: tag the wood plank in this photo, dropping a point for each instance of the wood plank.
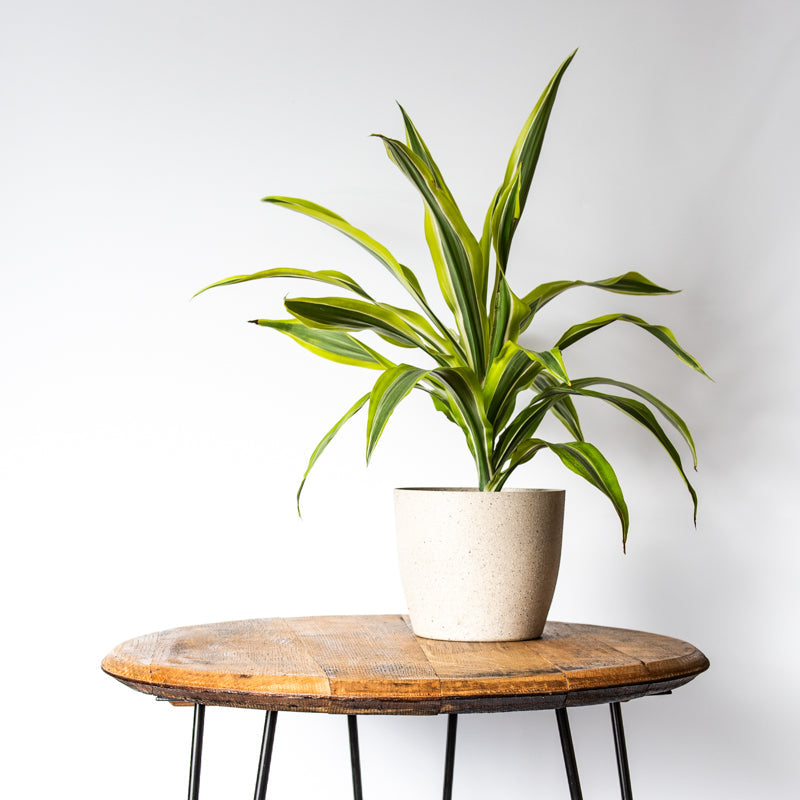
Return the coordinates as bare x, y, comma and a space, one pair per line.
662, 656
368, 656
473, 669
251, 656
586, 661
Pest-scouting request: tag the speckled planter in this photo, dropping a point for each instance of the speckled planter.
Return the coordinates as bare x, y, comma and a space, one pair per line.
479, 566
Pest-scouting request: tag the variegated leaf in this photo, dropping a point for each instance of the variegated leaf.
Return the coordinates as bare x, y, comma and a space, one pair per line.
633, 283
509, 374
551, 361
486, 243
668, 413
346, 313
505, 218
563, 410
466, 404
507, 314
328, 276
523, 426
390, 388
326, 440
665, 335
644, 416
456, 253
330, 344
586, 460
417, 145
583, 459
525, 155
373, 247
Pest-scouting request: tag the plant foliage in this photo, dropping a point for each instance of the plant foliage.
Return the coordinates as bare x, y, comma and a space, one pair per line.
478, 373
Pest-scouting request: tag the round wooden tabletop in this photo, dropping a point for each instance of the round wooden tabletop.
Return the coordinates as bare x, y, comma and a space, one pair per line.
375, 665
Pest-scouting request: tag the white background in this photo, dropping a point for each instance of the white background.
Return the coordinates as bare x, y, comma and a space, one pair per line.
150, 446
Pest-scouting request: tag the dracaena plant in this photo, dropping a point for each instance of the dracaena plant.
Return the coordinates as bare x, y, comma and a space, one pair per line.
477, 374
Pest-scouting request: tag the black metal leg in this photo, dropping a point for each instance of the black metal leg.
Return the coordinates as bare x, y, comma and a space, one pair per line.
355, 758
265, 759
569, 754
622, 752
197, 751
450, 756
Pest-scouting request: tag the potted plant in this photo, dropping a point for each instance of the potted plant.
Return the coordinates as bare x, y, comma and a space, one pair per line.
480, 376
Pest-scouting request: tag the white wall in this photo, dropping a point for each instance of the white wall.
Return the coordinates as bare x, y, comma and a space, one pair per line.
150, 447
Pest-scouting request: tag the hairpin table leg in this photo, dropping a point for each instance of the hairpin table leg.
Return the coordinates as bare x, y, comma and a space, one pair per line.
265, 758
450, 756
569, 754
197, 751
355, 758
622, 752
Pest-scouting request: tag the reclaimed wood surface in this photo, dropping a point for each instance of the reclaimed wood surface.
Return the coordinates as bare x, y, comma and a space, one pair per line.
375, 665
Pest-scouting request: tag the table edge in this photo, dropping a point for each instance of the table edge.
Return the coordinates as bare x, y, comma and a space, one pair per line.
422, 705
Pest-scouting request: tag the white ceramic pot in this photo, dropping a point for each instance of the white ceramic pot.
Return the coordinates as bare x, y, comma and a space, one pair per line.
479, 566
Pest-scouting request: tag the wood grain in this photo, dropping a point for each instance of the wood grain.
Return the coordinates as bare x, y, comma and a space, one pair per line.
375, 665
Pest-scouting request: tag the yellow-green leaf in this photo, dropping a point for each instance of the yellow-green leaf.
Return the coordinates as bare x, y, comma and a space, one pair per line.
330, 344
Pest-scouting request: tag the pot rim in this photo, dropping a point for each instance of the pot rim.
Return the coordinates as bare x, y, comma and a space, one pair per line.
472, 489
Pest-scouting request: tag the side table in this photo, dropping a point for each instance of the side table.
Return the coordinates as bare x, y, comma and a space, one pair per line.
375, 665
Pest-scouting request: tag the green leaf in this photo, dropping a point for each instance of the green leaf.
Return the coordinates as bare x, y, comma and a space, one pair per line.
423, 329
633, 283
508, 312
328, 276
486, 243
523, 426
577, 332
564, 410
340, 224
583, 459
457, 256
644, 416
509, 374
326, 440
505, 218
393, 386
479, 267
330, 344
467, 406
586, 460
552, 362
525, 155
522, 453
417, 145
669, 414
442, 404
404, 329
374, 248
